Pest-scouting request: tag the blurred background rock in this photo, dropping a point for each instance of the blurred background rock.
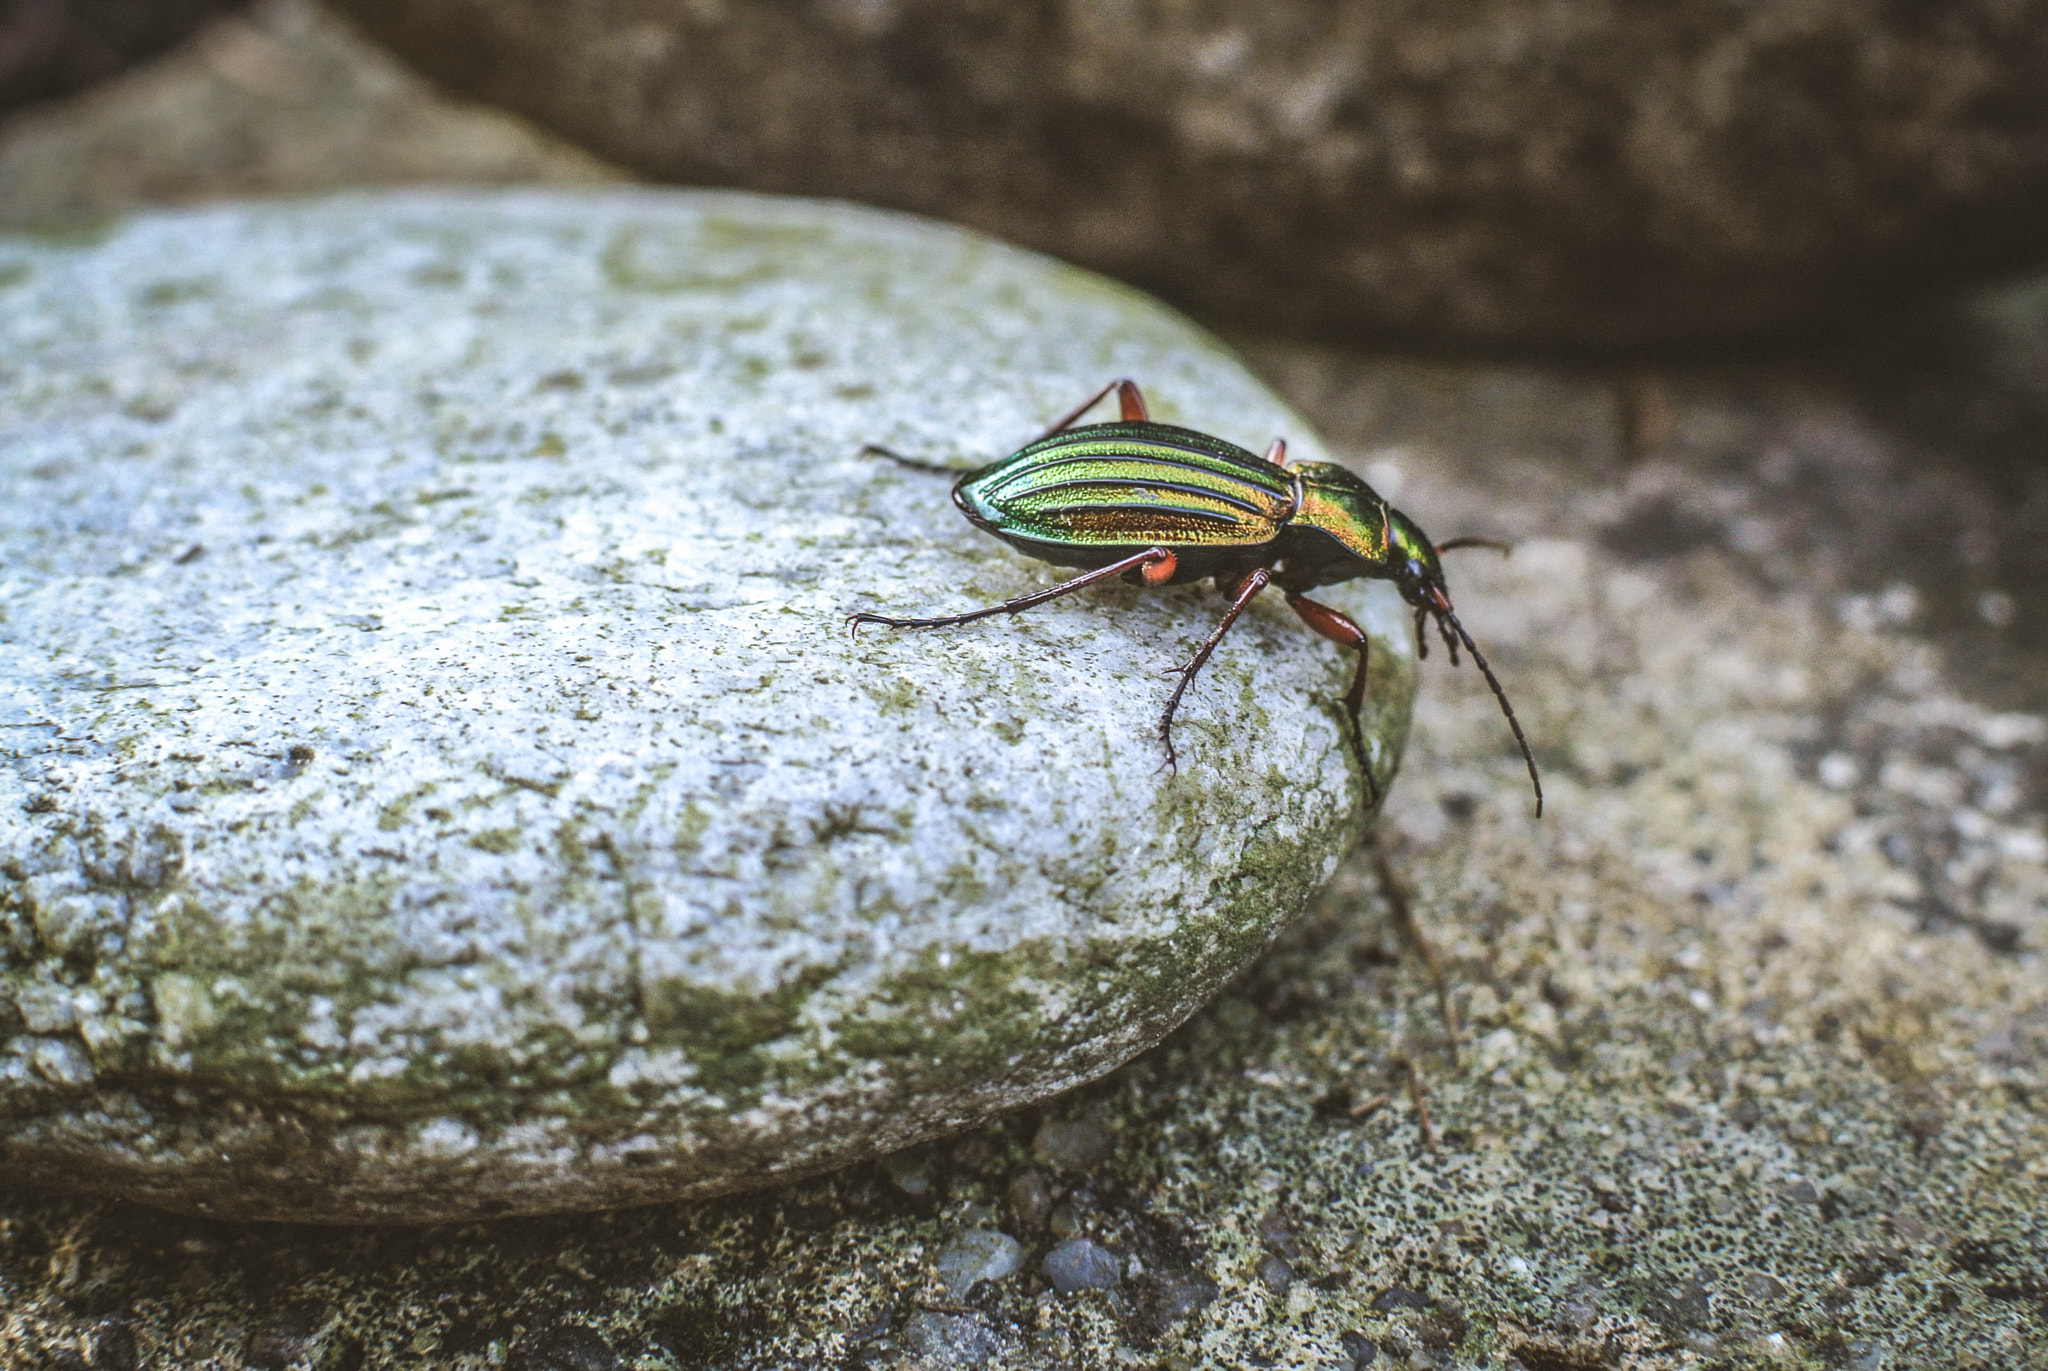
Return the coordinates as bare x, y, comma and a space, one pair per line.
49, 47
279, 98
1588, 174
1591, 172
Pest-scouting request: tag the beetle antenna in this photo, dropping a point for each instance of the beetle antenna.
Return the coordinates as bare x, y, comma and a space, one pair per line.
1447, 617
1453, 544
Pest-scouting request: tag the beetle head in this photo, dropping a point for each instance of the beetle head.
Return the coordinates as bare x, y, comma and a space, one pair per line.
1412, 563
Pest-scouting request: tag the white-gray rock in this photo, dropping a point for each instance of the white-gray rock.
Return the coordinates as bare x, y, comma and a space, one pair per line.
979, 1254
438, 780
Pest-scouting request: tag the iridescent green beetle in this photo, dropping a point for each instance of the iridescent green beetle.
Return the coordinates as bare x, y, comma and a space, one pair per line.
1158, 504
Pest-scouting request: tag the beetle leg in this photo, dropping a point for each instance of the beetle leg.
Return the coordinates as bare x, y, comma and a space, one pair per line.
1421, 636
1141, 563
1253, 582
1277, 454
1130, 404
1339, 628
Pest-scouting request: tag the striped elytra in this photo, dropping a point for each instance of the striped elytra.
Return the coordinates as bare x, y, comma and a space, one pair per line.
1086, 496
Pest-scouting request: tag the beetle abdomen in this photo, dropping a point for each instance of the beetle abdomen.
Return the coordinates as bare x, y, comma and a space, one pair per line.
1077, 495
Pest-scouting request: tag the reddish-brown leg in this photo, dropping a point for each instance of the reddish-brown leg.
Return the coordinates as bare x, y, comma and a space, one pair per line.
1249, 586
1130, 405
1339, 629
1140, 562
1277, 454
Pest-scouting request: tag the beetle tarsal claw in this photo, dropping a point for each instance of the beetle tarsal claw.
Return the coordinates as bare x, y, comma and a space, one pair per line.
1164, 732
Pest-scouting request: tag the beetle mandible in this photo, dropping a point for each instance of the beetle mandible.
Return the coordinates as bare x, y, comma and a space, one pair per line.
1157, 504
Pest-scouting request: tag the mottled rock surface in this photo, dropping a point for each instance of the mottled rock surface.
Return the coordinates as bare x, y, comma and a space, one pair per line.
439, 779
1587, 173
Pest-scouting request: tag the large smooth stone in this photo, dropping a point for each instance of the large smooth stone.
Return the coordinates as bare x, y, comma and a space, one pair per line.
1583, 173
440, 782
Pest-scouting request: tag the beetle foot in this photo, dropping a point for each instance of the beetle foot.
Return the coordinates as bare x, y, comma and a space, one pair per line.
1171, 766
854, 621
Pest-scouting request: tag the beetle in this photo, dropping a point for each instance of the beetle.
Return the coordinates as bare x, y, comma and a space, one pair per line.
1157, 504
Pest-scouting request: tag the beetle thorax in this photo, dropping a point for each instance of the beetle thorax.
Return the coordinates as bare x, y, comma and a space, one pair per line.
1341, 530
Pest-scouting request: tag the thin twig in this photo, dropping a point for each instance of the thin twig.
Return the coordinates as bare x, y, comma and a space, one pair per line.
1366, 1108
1421, 1103
1404, 919
1647, 416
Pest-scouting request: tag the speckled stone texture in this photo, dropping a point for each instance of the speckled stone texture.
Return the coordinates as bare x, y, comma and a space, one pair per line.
1589, 172
440, 782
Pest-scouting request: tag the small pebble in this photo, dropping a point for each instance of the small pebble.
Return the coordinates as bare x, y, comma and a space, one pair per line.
1030, 1199
1689, 1305
1277, 1274
1167, 1297
980, 1254
114, 1349
1361, 1349
950, 1340
1442, 1327
1072, 1144
1078, 1264
911, 1173
1760, 1288
1276, 1235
